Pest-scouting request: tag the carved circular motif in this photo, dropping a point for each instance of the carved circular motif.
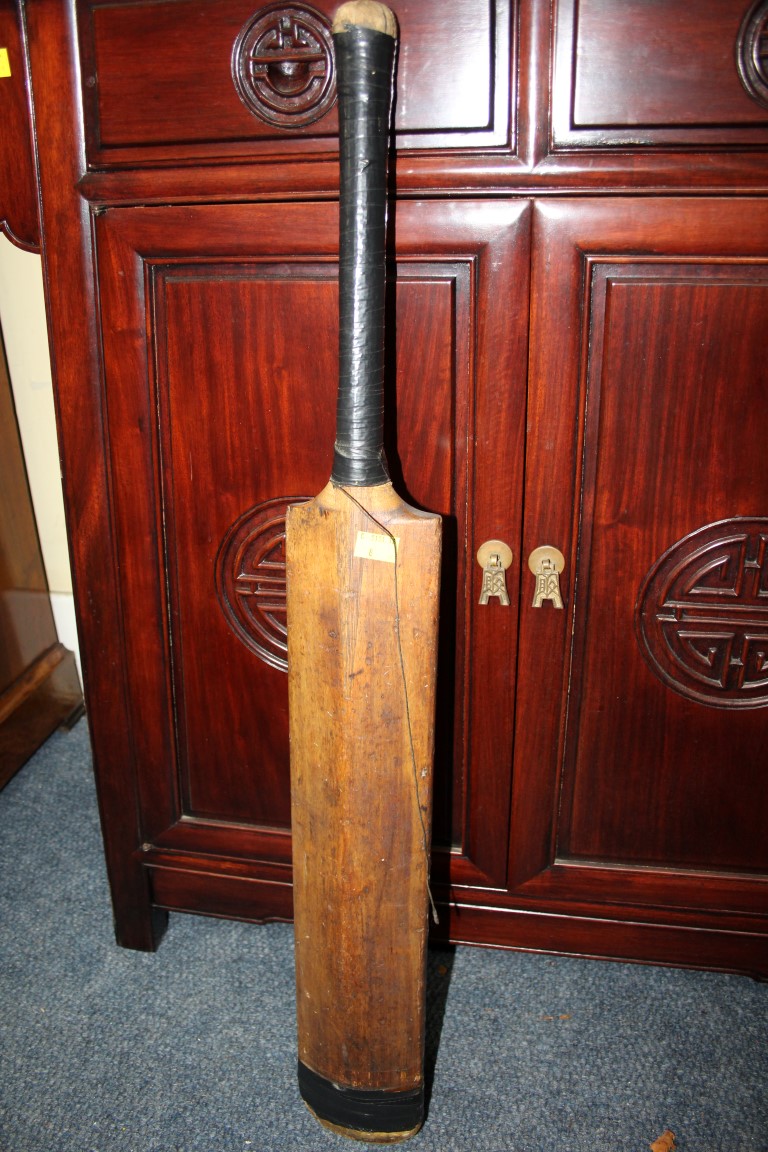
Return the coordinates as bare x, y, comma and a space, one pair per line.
250, 579
282, 65
702, 615
752, 52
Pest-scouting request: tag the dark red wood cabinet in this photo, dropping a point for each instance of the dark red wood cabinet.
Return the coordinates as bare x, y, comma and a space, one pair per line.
39, 684
578, 305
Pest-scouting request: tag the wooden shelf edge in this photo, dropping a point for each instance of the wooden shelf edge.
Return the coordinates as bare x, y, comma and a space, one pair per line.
46, 697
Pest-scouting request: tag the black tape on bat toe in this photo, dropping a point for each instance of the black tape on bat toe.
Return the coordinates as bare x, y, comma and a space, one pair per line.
360, 1109
364, 67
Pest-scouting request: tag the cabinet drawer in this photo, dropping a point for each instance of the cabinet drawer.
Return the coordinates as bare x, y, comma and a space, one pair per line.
179, 80
662, 72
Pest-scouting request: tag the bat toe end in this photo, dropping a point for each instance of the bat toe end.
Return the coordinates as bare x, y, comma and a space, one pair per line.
375, 1115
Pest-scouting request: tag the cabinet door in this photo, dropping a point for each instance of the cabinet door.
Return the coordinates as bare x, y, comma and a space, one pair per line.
220, 360
640, 788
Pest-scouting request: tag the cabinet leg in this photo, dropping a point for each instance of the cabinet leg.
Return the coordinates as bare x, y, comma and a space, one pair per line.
140, 931
138, 922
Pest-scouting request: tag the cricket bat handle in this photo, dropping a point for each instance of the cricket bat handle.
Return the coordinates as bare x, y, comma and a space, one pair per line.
364, 41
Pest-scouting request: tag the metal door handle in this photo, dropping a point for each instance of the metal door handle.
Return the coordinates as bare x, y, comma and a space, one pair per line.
547, 563
494, 557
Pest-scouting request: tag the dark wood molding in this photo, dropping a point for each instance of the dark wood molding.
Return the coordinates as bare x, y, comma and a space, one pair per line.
18, 181
39, 683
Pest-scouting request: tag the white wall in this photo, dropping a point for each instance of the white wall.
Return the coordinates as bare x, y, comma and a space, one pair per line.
22, 316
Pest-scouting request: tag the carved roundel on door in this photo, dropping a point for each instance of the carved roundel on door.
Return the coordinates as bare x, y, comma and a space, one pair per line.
752, 52
702, 615
250, 579
282, 65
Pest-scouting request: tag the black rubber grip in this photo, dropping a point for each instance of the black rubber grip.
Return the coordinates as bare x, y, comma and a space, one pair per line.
364, 72
363, 1110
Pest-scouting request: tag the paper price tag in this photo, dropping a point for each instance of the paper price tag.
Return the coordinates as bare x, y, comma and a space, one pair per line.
5, 63
375, 546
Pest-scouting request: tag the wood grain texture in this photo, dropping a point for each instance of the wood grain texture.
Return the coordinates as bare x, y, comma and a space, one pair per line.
652, 73
144, 102
47, 697
655, 63
39, 685
498, 73
687, 397
18, 178
361, 794
620, 783
71, 302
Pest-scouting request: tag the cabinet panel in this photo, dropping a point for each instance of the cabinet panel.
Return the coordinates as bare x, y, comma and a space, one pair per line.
659, 749
185, 78
652, 719
220, 347
18, 188
655, 73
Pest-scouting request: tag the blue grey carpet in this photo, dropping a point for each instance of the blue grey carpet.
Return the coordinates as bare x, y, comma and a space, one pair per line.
193, 1049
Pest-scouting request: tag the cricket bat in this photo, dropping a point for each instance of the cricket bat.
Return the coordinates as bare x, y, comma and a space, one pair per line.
363, 573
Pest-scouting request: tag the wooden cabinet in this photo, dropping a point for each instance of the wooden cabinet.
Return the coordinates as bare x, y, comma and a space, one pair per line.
209, 441
637, 778
39, 685
578, 306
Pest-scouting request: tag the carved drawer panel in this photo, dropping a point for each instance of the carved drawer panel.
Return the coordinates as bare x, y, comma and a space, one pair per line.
194, 79
661, 72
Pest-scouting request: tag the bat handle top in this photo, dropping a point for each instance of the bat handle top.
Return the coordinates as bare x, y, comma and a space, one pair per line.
365, 14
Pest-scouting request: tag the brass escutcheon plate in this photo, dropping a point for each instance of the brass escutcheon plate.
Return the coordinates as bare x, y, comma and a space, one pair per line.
494, 548
546, 552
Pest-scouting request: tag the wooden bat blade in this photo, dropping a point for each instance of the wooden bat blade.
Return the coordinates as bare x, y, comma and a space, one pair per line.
362, 656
